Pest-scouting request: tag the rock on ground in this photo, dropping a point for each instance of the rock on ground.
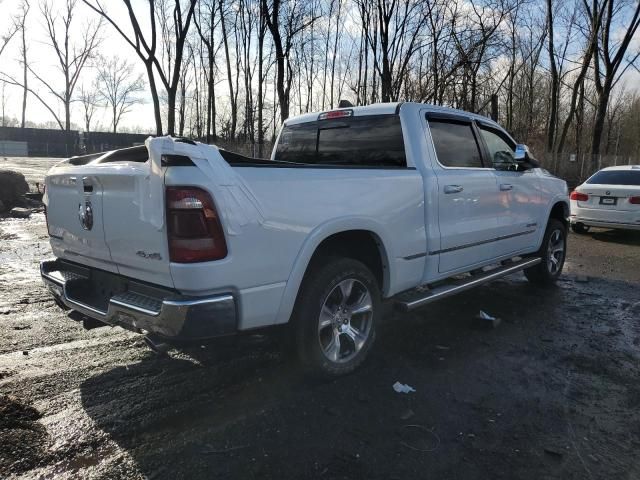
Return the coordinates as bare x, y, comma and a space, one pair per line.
19, 212
13, 186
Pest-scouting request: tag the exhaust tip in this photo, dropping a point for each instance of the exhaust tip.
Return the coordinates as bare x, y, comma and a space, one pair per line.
158, 347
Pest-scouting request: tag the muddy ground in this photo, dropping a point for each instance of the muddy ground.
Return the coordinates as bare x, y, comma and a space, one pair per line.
553, 392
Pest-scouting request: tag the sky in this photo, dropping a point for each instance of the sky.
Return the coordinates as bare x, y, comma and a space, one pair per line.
42, 57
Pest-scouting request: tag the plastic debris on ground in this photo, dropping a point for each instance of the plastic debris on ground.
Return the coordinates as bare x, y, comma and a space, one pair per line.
485, 316
488, 320
403, 388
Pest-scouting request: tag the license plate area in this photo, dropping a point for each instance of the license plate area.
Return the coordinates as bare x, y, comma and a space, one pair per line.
97, 290
608, 200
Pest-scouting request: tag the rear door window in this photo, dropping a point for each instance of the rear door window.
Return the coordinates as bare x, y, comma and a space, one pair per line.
455, 144
365, 141
616, 177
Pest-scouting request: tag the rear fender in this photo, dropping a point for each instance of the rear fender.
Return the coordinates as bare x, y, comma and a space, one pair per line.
315, 238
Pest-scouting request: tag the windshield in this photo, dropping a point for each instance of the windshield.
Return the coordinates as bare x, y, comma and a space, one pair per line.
615, 177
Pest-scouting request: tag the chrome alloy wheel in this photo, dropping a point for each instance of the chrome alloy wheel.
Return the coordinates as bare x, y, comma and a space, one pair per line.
345, 320
555, 251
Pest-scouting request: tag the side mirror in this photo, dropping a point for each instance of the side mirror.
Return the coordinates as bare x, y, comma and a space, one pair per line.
524, 158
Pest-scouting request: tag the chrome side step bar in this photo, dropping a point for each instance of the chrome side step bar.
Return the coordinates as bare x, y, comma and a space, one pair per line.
417, 298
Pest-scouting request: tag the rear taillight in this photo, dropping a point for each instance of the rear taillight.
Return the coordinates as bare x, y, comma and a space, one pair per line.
193, 226
580, 197
634, 200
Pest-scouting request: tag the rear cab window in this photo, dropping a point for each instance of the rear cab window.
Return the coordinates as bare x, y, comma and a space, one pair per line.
373, 141
615, 177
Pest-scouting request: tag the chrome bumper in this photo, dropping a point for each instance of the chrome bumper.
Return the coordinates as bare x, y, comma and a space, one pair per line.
136, 306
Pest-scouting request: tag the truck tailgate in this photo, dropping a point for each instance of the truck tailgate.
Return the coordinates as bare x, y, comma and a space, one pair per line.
74, 218
119, 238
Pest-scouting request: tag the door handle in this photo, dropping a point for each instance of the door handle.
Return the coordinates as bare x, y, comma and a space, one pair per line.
453, 188
505, 187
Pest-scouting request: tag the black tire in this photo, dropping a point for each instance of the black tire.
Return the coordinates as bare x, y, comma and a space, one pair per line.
322, 286
579, 228
548, 270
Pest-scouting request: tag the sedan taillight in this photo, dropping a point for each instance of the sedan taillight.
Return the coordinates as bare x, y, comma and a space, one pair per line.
580, 197
634, 200
193, 226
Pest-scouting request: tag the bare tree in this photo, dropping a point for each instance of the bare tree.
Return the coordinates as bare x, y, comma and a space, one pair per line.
174, 26
227, 56
20, 24
555, 79
119, 85
89, 98
7, 36
206, 22
594, 22
72, 53
611, 52
262, 30
175, 33
285, 22
3, 104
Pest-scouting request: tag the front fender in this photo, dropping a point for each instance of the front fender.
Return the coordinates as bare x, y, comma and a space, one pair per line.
559, 198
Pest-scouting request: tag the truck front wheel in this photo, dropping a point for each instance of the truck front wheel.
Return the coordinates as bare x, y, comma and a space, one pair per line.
335, 315
552, 252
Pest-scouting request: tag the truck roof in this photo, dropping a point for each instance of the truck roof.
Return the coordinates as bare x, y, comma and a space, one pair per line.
386, 109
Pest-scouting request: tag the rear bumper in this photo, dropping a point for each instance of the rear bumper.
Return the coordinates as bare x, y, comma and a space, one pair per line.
593, 222
117, 300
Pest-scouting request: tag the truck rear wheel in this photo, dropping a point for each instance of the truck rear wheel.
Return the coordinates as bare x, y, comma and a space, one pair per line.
335, 315
552, 252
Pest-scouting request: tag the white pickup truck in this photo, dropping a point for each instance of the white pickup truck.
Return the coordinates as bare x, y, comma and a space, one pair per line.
407, 202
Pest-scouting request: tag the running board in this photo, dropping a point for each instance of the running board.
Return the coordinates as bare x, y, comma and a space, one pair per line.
417, 298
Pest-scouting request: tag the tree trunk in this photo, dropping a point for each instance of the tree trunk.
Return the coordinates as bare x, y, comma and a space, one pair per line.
183, 88
335, 54
25, 78
234, 112
260, 66
326, 57
598, 125
572, 106
67, 112
153, 89
171, 111
555, 83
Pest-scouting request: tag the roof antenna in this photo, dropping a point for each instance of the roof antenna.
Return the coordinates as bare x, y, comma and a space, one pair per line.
345, 104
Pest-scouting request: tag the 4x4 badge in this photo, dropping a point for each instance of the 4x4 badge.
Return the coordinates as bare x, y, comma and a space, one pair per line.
85, 215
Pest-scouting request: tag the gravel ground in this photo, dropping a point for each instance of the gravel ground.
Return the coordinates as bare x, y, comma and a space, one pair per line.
553, 392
